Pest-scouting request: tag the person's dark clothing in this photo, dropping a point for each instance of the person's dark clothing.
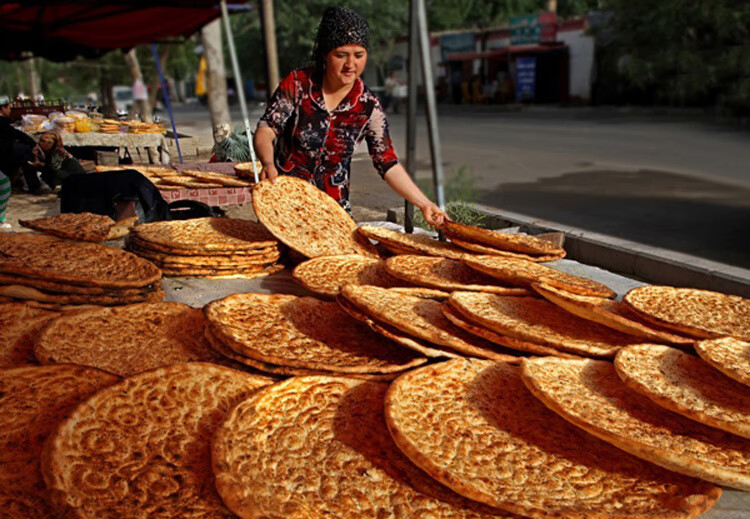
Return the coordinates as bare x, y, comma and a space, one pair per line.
98, 192
16, 152
69, 166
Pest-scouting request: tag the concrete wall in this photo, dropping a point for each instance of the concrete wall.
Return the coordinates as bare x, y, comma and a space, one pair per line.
581, 51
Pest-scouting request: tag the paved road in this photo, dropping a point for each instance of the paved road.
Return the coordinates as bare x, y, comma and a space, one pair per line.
671, 181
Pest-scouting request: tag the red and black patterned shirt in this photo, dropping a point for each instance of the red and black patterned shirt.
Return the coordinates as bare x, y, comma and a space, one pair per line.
317, 145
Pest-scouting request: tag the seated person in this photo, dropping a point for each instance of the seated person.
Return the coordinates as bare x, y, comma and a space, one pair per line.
54, 160
17, 150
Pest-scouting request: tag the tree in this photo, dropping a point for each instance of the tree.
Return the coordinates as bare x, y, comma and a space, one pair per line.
684, 53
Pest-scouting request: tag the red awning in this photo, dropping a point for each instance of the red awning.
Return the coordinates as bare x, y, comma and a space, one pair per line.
61, 30
504, 52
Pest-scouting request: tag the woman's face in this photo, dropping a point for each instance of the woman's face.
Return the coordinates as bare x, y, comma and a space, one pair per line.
46, 142
345, 64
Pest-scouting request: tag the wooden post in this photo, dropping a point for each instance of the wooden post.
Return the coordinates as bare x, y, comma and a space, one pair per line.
142, 106
269, 35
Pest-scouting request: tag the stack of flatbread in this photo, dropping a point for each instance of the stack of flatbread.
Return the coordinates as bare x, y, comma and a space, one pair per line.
289, 335
81, 226
167, 178
512, 245
208, 247
52, 273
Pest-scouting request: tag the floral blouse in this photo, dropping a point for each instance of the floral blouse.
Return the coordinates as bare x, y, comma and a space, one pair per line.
317, 145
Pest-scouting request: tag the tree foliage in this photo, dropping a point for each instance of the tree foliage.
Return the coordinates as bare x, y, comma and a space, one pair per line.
682, 52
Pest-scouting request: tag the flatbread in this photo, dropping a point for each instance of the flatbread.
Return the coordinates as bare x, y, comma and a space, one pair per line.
33, 400
536, 320
612, 314
423, 292
219, 178
327, 274
307, 219
121, 228
126, 340
206, 234
484, 250
514, 242
143, 245
474, 427
327, 434
445, 274
401, 243
525, 273
239, 273
590, 395
73, 226
303, 332
19, 324
281, 371
112, 298
685, 384
700, 313
141, 448
394, 334
177, 260
508, 342
730, 356
420, 318
78, 263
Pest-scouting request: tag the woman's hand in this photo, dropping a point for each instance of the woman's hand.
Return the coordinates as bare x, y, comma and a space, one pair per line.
269, 172
433, 215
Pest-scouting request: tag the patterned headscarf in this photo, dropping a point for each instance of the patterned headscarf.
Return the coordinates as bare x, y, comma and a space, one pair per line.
56, 155
339, 26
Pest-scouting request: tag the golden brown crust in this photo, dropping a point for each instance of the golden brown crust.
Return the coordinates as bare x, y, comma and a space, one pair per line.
589, 394
141, 447
459, 320
405, 243
538, 321
126, 340
23, 292
445, 274
728, 355
700, 313
613, 314
483, 249
33, 400
206, 234
525, 273
328, 436
19, 324
73, 226
393, 333
514, 242
327, 274
303, 332
474, 427
685, 384
420, 318
78, 263
307, 219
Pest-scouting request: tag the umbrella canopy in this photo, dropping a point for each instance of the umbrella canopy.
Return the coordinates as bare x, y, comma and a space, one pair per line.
60, 30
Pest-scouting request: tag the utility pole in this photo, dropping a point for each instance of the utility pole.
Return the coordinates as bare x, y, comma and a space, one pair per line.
269, 36
216, 77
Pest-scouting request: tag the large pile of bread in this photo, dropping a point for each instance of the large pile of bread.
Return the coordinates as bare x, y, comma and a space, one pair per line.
167, 178
507, 388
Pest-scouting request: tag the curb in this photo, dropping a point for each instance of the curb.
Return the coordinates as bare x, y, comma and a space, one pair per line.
650, 264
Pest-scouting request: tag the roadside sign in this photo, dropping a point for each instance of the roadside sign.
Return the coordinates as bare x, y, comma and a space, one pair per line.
525, 79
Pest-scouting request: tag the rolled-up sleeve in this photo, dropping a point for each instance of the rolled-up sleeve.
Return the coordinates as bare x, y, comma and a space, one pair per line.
281, 106
379, 141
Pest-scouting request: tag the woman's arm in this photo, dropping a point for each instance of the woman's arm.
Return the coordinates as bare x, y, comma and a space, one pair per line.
401, 183
263, 142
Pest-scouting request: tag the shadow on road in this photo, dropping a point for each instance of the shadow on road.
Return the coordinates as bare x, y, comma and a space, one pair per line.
656, 208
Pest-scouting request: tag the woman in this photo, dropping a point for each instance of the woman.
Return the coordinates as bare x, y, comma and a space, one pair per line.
319, 115
55, 162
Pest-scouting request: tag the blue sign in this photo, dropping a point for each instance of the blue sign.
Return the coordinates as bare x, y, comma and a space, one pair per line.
525, 79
